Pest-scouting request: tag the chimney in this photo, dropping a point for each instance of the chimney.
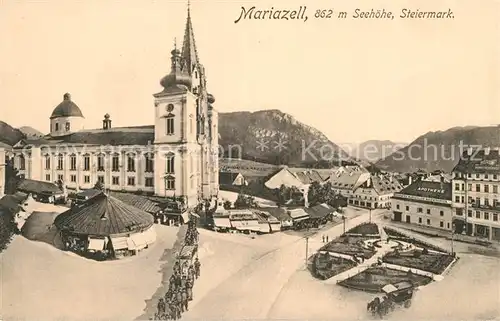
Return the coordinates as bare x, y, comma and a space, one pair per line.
106, 123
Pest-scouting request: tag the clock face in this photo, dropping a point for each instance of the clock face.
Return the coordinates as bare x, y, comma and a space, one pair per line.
170, 107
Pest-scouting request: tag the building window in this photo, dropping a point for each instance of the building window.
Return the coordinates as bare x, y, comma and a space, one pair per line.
495, 189
470, 187
428, 222
131, 181
57, 126
60, 178
115, 180
68, 126
72, 163
22, 162
86, 162
170, 125
407, 208
469, 213
463, 199
495, 217
47, 162
486, 188
486, 216
457, 186
149, 163
170, 164
149, 182
469, 175
495, 176
441, 213
428, 211
397, 206
485, 176
486, 202
477, 176
131, 163
72, 178
86, 179
448, 225
419, 220
420, 210
115, 163
478, 214
47, 177
170, 183
100, 163
100, 179
478, 188
477, 202
463, 187
441, 224
60, 162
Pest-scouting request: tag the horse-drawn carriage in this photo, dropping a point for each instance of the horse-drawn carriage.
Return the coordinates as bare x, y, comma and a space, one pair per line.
397, 294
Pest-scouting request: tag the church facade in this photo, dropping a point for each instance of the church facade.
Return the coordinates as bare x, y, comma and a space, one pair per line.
175, 157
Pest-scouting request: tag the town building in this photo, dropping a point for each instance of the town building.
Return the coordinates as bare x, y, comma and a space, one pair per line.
476, 197
375, 192
232, 179
300, 178
426, 203
347, 179
177, 156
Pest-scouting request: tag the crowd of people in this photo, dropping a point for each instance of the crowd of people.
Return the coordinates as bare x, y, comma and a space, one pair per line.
185, 272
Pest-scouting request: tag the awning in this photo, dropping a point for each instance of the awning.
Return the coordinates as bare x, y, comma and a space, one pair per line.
136, 241
389, 288
96, 244
119, 243
222, 222
275, 227
150, 235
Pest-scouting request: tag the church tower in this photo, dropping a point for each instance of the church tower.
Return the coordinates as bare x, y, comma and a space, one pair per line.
185, 164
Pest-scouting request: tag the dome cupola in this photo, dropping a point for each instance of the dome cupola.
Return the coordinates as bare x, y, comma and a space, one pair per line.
178, 74
67, 108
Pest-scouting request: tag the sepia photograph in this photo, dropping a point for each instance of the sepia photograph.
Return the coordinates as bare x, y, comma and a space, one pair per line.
249, 160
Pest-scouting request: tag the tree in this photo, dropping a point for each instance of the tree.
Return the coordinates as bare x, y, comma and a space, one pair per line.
227, 205
243, 201
99, 186
12, 178
314, 194
282, 195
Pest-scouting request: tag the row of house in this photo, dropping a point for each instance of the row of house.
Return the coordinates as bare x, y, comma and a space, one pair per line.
465, 202
355, 183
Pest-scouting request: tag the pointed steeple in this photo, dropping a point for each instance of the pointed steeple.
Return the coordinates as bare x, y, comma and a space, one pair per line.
189, 53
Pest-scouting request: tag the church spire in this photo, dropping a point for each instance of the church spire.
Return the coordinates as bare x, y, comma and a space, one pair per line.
189, 53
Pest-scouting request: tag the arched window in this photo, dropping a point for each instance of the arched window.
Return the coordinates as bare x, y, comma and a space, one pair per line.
72, 162
170, 182
150, 163
100, 162
86, 162
47, 161
22, 162
57, 127
169, 125
60, 162
170, 165
115, 163
131, 162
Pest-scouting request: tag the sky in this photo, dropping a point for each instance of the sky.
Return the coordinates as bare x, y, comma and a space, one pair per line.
352, 79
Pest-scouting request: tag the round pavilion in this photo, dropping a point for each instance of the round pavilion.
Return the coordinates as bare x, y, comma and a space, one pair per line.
105, 227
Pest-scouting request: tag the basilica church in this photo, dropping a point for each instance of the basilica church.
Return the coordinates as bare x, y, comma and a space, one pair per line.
175, 157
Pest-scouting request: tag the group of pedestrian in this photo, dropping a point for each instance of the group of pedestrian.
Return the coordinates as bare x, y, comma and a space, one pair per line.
180, 290
192, 233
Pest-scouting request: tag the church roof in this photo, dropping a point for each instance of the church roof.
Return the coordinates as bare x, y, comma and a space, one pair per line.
189, 53
67, 108
104, 215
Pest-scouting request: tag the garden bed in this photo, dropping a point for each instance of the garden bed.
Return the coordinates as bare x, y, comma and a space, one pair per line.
326, 266
431, 262
375, 278
400, 236
349, 245
364, 229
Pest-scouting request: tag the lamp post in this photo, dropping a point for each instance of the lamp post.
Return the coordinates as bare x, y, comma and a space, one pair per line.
343, 219
370, 214
307, 249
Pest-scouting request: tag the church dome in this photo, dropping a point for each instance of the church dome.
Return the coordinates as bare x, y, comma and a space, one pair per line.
66, 108
177, 76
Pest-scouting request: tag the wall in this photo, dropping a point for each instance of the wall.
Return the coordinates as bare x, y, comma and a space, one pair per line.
2, 172
77, 123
